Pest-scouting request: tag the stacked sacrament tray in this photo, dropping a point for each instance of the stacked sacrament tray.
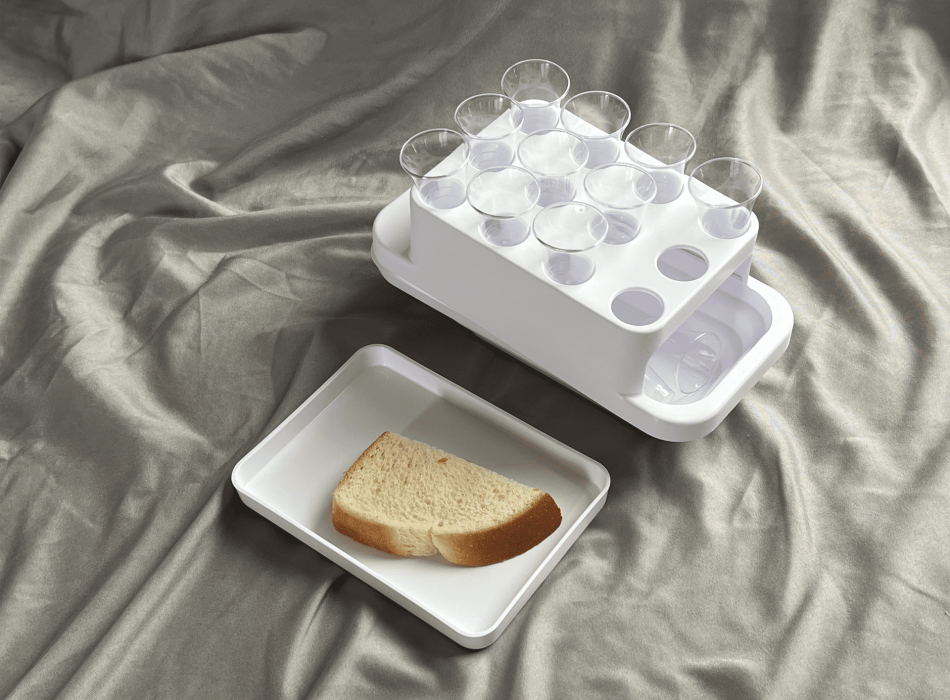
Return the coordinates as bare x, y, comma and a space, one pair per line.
598, 337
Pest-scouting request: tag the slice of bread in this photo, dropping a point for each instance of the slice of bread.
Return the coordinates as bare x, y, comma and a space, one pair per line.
408, 498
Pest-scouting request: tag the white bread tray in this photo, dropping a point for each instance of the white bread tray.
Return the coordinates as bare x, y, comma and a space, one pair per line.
573, 334
290, 475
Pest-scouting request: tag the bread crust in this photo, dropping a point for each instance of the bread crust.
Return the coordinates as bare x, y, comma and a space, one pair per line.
364, 531
503, 541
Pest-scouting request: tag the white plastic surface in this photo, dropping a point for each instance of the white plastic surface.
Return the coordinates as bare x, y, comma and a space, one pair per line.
581, 335
289, 478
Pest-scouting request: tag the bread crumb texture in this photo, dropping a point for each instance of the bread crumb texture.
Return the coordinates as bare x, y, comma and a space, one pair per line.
409, 498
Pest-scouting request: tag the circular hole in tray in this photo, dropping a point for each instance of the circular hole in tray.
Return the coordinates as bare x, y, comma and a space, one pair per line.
682, 264
637, 307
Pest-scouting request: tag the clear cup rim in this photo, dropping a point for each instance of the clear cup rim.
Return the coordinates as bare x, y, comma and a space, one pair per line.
626, 122
495, 170
548, 131
698, 340
631, 166
425, 176
664, 166
558, 205
537, 60
511, 101
745, 203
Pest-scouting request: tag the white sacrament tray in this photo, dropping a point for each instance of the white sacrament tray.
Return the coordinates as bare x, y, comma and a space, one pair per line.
290, 475
584, 336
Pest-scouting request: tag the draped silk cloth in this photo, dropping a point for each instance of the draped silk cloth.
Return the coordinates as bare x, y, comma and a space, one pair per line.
187, 193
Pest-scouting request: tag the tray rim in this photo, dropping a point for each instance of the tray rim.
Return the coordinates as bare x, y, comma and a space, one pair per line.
367, 357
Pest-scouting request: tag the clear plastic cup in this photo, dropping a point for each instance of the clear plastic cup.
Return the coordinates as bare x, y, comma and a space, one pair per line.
555, 157
492, 125
503, 196
688, 362
599, 118
538, 86
724, 190
436, 160
663, 151
622, 192
570, 233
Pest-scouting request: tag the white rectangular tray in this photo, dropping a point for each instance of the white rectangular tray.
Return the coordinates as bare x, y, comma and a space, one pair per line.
289, 478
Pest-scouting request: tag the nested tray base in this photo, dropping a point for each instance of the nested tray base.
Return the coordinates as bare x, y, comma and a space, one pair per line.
753, 321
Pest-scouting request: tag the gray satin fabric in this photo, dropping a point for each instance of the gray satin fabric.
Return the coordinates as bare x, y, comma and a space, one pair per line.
187, 193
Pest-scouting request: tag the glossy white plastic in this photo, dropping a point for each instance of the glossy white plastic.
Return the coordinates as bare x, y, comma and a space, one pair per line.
587, 336
290, 475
